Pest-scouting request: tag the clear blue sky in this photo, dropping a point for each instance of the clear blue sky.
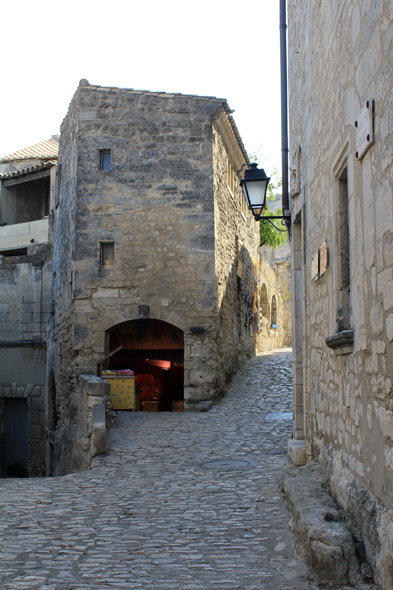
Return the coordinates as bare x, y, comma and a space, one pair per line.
209, 48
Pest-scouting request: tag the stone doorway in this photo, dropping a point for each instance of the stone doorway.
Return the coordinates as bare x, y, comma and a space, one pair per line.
154, 350
16, 437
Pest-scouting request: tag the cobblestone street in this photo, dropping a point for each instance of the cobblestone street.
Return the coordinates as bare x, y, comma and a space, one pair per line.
180, 501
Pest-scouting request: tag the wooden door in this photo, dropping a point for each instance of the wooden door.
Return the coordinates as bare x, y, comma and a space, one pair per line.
15, 433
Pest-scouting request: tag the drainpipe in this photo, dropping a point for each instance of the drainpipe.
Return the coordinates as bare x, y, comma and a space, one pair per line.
284, 114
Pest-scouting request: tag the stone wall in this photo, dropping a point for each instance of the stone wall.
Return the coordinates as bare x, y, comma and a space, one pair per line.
85, 435
61, 373
269, 337
157, 205
24, 314
338, 60
274, 281
236, 240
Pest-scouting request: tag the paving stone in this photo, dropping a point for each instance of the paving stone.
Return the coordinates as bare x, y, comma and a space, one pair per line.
151, 514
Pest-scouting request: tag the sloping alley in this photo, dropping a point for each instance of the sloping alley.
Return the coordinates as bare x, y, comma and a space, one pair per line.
180, 501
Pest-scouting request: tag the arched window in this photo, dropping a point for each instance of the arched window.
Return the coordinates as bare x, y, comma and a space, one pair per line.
264, 302
274, 310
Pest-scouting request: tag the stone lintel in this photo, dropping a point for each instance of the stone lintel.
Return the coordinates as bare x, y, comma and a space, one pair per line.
24, 343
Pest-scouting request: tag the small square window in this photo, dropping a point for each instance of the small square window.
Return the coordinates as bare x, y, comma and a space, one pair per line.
107, 255
105, 160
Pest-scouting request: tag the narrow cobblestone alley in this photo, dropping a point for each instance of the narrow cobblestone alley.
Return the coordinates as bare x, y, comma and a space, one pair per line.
180, 501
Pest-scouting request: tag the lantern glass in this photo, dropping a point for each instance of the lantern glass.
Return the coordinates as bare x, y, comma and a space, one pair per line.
256, 193
254, 186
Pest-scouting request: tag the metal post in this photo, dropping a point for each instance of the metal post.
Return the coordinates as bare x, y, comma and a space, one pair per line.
284, 106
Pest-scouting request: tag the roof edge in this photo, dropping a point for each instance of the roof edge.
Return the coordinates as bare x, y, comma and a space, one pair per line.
226, 127
29, 170
84, 84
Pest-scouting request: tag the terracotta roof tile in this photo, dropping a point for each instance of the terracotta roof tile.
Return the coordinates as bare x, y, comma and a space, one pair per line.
46, 150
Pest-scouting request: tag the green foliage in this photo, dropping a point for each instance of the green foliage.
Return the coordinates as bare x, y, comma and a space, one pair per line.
271, 236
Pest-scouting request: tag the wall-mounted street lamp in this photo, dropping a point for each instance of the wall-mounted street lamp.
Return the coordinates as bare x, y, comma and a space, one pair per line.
255, 181
254, 185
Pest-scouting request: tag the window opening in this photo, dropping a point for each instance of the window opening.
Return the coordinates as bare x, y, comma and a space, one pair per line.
105, 160
25, 199
107, 255
274, 310
343, 266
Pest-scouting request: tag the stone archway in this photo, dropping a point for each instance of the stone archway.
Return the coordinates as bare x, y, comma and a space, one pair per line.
154, 350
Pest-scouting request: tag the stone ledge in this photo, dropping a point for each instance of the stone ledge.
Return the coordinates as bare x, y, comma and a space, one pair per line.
344, 338
322, 530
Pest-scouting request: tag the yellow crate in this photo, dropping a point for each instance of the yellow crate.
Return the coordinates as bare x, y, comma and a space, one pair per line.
123, 395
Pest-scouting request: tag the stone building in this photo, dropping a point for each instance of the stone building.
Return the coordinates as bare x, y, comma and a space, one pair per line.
151, 229
341, 129
27, 195
129, 246
275, 327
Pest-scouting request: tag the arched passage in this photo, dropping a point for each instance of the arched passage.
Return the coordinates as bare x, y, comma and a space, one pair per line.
154, 350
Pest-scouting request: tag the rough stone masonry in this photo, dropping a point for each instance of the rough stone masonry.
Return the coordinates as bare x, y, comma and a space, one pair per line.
340, 74
171, 207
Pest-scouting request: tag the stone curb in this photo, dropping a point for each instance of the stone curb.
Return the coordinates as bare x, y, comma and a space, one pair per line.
322, 535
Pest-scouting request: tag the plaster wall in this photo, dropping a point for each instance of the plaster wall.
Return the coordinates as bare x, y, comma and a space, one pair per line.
339, 57
21, 235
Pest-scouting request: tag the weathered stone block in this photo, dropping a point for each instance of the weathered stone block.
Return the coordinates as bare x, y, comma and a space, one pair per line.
98, 430
35, 403
297, 452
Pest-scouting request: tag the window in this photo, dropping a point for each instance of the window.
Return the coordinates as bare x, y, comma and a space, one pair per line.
107, 252
274, 310
105, 160
343, 264
25, 198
